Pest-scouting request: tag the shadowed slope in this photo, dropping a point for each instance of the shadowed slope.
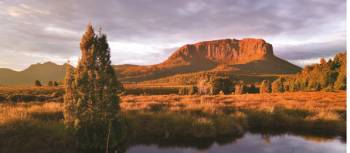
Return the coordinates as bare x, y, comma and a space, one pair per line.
43, 72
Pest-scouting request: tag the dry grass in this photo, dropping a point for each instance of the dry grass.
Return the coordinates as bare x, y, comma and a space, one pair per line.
28, 111
323, 105
33, 127
39, 125
28, 89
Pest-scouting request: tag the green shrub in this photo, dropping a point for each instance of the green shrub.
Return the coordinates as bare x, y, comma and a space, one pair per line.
37, 83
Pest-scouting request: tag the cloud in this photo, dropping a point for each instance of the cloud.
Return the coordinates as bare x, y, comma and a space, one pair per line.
313, 60
24, 10
53, 28
311, 50
57, 31
192, 7
138, 53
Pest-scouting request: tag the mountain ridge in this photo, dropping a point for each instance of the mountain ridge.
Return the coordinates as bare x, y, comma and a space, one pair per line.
47, 71
245, 56
248, 53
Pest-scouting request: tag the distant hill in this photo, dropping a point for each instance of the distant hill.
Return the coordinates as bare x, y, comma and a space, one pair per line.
229, 56
43, 72
246, 56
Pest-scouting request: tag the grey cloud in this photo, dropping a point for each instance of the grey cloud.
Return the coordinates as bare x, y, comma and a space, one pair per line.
158, 22
141, 59
312, 50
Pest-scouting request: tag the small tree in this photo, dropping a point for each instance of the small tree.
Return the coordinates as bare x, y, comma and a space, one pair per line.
223, 84
238, 89
214, 84
183, 91
277, 86
37, 83
192, 90
204, 86
265, 86
55, 83
50, 83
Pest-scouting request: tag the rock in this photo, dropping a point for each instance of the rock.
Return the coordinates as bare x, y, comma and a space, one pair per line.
225, 51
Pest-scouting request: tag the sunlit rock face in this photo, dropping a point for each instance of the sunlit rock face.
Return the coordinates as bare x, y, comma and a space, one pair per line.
246, 56
224, 51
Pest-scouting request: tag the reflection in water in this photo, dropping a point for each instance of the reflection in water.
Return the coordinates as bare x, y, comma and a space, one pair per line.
253, 143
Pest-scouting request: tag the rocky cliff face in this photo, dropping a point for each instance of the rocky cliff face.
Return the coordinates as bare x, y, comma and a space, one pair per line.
225, 51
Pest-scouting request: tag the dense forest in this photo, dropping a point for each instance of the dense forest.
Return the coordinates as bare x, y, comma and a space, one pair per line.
327, 75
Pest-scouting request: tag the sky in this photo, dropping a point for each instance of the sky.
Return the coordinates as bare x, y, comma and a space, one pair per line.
147, 31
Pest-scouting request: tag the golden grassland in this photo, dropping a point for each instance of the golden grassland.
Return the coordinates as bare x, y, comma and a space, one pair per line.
130, 88
38, 126
326, 103
322, 105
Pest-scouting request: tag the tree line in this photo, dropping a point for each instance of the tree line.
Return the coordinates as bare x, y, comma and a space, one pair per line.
326, 76
49, 83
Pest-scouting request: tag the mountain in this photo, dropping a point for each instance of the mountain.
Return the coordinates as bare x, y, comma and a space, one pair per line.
241, 57
44, 72
246, 56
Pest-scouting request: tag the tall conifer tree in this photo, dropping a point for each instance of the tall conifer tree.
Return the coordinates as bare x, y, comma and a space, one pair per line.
91, 102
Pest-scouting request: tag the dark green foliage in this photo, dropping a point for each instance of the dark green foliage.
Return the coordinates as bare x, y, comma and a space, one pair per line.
328, 76
55, 83
152, 91
251, 88
26, 98
265, 86
50, 84
91, 101
37, 83
243, 88
223, 84
2, 98
181, 126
